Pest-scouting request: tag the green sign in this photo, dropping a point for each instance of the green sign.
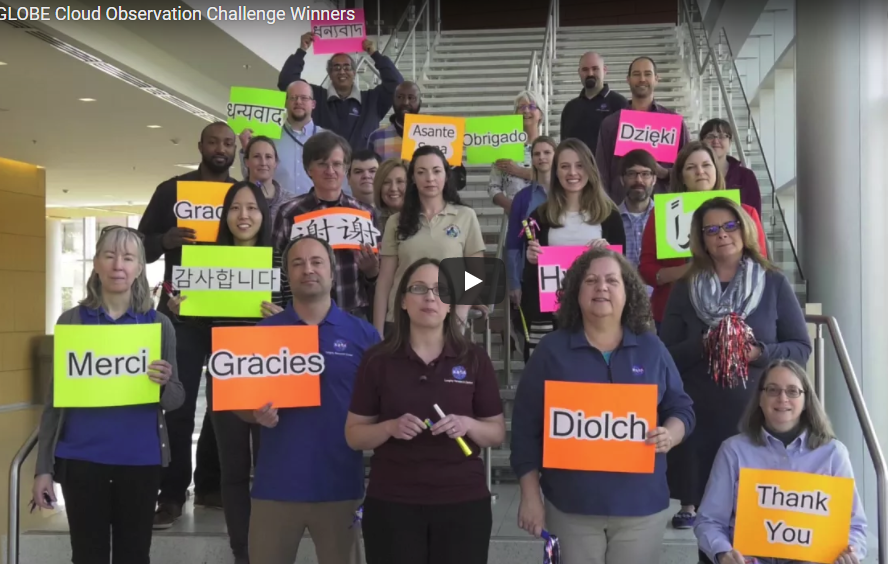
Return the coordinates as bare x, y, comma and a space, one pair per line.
488, 139
263, 111
672, 216
104, 365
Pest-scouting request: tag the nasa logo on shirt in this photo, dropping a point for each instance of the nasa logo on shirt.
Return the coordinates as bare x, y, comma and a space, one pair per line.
340, 348
638, 371
355, 111
452, 231
458, 374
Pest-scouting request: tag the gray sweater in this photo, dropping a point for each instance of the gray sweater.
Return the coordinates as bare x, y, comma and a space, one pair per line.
171, 397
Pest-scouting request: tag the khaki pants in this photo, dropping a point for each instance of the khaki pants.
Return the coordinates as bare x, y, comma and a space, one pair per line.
276, 527
592, 539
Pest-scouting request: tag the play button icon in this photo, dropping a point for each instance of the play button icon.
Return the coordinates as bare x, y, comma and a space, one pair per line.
474, 280
471, 281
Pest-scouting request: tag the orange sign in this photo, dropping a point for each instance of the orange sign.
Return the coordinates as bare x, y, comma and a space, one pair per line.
599, 427
199, 207
343, 228
444, 132
253, 366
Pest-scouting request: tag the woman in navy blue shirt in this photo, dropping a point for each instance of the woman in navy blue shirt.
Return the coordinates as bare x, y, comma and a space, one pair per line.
108, 460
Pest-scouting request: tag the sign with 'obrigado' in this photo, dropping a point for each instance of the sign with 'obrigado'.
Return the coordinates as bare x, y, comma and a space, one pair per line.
485, 140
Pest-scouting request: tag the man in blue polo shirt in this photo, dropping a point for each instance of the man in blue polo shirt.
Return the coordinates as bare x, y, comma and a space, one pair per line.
307, 477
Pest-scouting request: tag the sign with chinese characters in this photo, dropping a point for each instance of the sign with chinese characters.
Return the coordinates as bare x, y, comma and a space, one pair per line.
225, 281
105, 365
672, 218
793, 515
199, 207
552, 264
490, 138
657, 133
252, 366
342, 228
257, 109
339, 36
446, 133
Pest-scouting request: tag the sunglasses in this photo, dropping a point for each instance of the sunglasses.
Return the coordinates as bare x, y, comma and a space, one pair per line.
108, 229
729, 227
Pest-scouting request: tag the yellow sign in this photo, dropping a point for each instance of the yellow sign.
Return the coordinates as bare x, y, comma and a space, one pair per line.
199, 207
443, 132
793, 515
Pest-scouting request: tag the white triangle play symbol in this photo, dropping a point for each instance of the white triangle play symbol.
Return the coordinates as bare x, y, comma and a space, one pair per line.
471, 281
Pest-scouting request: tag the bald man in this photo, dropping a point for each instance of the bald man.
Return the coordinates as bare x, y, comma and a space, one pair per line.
582, 116
386, 141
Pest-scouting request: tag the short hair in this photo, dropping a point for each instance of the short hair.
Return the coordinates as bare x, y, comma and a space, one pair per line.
676, 177
718, 125
261, 139
303, 81
205, 130
365, 155
642, 58
321, 145
323, 242
532, 97
637, 157
350, 59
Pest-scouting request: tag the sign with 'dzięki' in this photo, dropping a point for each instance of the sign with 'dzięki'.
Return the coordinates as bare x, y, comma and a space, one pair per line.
657, 133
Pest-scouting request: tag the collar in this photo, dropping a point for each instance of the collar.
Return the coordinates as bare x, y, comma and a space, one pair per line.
655, 107
408, 352
449, 209
799, 442
101, 312
305, 129
578, 339
398, 127
355, 93
334, 317
603, 94
317, 201
625, 211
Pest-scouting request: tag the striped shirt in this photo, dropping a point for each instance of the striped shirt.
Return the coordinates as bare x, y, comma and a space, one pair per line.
386, 142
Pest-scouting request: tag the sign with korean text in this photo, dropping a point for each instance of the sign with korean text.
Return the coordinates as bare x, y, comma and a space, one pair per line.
657, 133
261, 110
443, 132
488, 139
225, 281
253, 366
672, 217
339, 36
599, 427
793, 515
199, 207
552, 265
105, 365
343, 228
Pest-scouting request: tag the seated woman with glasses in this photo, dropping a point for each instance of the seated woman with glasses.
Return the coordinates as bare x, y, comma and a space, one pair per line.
109, 460
507, 177
784, 428
717, 135
427, 498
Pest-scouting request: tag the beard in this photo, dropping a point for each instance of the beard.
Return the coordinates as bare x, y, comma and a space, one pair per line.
210, 164
638, 193
591, 82
295, 115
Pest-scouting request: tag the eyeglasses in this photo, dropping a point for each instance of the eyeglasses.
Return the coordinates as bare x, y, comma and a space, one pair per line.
729, 227
303, 99
341, 68
791, 392
422, 290
719, 136
339, 167
526, 107
110, 228
644, 175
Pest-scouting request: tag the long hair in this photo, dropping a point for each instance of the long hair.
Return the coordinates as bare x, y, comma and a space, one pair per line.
636, 316
676, 176
118, 238
594, 202
400, 335
408, 222
813, 419
701, 261
225, 236
382, 173
541, 139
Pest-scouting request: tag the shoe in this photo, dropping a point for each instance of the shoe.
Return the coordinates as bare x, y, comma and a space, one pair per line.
212, 500
683, 520
166, 515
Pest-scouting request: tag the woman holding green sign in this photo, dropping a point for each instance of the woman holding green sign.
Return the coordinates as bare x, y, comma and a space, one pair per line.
108, 460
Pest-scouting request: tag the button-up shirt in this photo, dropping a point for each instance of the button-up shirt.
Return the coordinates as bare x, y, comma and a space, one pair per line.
290, 173
714, 525
386, 142
502, 183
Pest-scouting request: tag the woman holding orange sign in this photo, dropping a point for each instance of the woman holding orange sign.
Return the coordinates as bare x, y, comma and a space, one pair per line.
601, 464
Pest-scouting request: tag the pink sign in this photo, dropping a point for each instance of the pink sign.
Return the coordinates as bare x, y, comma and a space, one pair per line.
552, 265
655, 132
335, 36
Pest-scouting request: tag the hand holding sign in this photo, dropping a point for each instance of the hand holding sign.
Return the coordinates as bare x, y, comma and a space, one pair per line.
368, 261
178, 236
732, 557
160, 372
306, 40
661, 438
267, 416
534, 250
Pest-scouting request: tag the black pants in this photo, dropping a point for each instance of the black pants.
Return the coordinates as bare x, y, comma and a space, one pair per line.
193, 345
398, 533
110, 511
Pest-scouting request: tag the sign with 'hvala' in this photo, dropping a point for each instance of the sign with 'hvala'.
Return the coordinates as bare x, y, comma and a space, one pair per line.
793, 515
443, 132
657, 133
104, 365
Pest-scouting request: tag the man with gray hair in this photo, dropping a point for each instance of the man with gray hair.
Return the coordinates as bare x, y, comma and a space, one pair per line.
581, 117
342, 107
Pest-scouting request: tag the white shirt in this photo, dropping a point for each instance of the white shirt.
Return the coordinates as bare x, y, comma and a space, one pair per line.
575, 233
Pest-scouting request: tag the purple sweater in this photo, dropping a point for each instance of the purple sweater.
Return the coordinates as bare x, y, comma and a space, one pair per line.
741, 178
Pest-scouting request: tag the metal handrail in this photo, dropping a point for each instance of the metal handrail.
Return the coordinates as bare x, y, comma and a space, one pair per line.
15, 479
539, 71
411, 33
866, 423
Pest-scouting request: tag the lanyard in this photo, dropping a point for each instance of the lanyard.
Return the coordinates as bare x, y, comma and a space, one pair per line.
293, 137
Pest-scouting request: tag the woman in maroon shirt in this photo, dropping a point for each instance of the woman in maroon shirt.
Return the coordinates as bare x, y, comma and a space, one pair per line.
427, 502
717, 135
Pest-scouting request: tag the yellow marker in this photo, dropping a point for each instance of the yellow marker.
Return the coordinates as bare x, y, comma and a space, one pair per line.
459, 440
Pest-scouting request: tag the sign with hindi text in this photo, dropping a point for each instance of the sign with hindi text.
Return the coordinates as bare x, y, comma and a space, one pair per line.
657, 133
599, 427
672, 218
253, 366
552, 265
105, 365
793, 515
488, 139
342, 228
199, 207
225, 281
443, 132
261, 110
339, 36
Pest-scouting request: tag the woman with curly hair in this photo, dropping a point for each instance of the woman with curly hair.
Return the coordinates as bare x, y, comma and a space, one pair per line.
605, 336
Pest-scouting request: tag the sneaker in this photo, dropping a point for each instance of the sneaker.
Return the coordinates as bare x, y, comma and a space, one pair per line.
212, 500
683, 520
166, 515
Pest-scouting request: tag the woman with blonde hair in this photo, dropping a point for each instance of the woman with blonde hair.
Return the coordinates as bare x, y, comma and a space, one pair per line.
784, 428
108, 460
727, 318
507, 177
389, 186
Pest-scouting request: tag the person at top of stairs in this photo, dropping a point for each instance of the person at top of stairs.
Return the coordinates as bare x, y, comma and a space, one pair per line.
507, 177
642, 79
386, 141
342, 107
581, 117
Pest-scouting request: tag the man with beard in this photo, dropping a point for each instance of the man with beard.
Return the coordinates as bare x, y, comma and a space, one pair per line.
386, 141
164, 239
345, 109
581, 117
637, 173
642, 79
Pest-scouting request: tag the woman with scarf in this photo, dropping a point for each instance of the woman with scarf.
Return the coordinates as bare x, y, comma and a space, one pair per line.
726, 319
